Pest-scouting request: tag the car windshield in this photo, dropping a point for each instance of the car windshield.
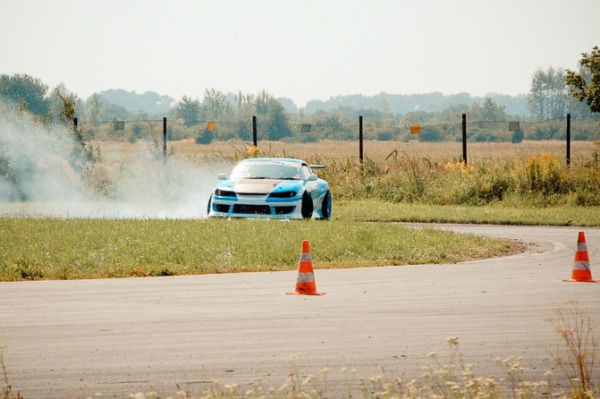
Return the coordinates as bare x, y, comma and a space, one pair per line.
266, 170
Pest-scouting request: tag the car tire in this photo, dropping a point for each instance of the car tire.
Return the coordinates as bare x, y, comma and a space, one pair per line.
307, 207
209, 205
326, 206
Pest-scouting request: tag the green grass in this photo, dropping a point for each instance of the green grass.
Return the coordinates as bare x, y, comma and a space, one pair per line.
380, 211
73, 248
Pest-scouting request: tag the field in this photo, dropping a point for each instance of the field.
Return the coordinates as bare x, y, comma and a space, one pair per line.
341, 150
399, 182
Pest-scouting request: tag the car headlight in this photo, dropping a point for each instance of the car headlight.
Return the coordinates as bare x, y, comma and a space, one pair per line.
283, 194
224, 193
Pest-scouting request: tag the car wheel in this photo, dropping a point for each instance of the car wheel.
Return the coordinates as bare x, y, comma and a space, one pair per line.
307, 206
326, 206
208, 205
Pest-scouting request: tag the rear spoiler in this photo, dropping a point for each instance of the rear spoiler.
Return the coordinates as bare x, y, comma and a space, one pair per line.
317, 167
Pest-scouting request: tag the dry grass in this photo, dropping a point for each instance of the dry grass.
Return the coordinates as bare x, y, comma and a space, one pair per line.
447, 378
337, 150
578, 358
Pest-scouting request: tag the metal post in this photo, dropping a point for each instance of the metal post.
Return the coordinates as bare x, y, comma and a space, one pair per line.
464, 137
165, 138
360, 139
568, 139
78, 136
254, 132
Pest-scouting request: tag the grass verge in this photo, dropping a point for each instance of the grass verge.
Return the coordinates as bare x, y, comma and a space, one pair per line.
33, 249
379, 211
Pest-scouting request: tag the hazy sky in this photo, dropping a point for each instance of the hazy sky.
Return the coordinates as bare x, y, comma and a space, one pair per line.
299, 49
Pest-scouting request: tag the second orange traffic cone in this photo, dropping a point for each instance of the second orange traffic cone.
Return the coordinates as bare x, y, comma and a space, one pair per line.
582, 273
305, 285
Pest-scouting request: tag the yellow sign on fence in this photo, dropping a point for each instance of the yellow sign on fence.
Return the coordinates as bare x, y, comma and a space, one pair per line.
211, 126
415, 129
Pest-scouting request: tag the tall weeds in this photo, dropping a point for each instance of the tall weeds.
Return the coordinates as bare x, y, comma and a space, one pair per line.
534, 181
578, 358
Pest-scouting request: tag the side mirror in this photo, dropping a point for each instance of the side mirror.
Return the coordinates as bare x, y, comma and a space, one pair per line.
222, 176
313, 177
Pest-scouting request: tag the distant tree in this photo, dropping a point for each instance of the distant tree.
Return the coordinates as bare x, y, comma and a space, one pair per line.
244, 110
63, 104
548, 94
214, 105
492, 111
99, 110
188, 109
288, 104
111, 111
580, 109
558, 93
583, 89
277, 121
537, 94
414, 117
93, 107
149, 103
26, 91
261, 102
273, 119
332, 127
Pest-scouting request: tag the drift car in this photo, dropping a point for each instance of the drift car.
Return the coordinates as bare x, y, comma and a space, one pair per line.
272, 188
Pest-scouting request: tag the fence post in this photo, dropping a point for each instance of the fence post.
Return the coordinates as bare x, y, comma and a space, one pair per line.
165, 138
360, 139
464, 137
78, 136
254, 132
568, 139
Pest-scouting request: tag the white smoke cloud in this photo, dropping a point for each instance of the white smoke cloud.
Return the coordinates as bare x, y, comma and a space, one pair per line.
43, 173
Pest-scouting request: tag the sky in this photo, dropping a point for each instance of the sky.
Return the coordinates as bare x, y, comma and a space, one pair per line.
300, 49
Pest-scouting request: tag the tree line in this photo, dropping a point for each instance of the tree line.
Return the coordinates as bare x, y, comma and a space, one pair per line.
553, 93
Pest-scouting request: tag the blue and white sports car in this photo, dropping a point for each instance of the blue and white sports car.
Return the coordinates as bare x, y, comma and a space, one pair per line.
273, 188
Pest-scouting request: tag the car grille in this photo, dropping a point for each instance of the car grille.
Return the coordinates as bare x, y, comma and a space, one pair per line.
284, 210
221, 208
252, 209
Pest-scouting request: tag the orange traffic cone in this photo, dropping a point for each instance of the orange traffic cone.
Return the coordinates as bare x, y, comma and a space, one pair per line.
582, 272
305, 285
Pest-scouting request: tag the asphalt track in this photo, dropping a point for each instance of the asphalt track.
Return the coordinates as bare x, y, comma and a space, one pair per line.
118, 336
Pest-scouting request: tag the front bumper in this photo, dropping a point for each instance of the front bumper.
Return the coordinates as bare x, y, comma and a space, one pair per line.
256, 206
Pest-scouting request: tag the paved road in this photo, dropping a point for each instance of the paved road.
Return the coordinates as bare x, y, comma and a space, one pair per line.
76, 338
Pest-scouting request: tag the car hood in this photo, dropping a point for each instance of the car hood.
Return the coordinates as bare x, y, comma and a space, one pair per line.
261, 186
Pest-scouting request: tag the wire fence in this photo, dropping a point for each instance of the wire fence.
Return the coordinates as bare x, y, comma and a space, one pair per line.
320, 137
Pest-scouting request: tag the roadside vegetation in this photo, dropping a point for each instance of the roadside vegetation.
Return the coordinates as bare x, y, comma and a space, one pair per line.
535, 181
33, 249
